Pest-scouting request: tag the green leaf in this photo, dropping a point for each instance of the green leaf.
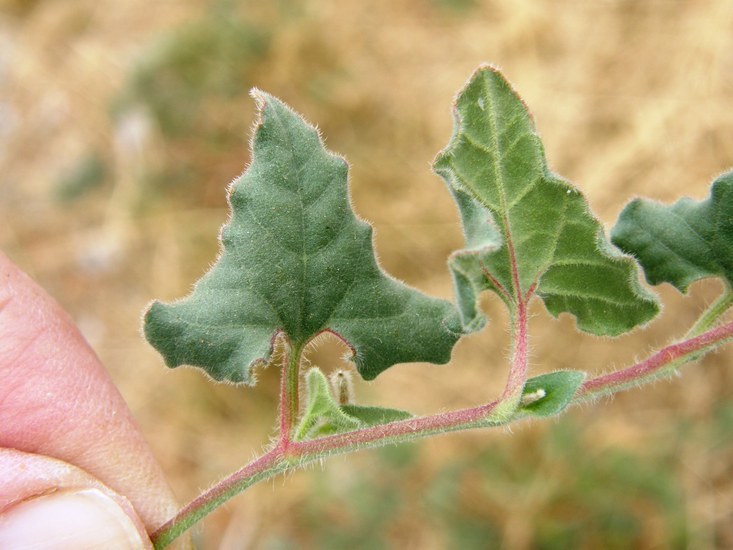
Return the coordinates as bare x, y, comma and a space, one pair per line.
527, 230
684, 242
549, 394
296, 260
373, 416
322, 415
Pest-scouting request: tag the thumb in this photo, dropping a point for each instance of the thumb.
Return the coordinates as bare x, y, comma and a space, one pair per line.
47, 503
57, 400
82, 518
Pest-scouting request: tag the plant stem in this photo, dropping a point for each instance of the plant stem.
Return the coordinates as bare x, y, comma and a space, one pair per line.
662, 362
400, 431
518, 370
517, 304
290, 392
263, 468
289, 454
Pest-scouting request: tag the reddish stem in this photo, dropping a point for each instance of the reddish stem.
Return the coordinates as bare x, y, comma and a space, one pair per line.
209, 500
494, 281
289, 393
289, 454
518, 369
651, 366
382, 433
284, 412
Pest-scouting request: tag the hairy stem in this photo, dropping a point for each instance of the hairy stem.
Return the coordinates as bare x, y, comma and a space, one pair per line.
265, 467
289, 454
401, 431
290, 392
518, 371
659, 364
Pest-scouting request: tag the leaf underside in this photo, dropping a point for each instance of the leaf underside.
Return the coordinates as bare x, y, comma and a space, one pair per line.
295, 259
526, 228
683, 242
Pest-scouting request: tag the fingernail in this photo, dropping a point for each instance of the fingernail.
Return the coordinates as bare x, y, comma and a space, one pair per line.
70, 519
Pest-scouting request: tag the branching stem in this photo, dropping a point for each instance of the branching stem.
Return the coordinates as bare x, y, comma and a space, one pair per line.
288, 454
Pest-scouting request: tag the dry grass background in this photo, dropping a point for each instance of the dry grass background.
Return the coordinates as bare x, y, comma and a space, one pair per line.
631, 98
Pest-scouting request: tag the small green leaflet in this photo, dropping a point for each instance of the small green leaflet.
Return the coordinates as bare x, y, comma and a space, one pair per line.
296, 260
527, 230
549, 394
684, 242
373, 416
323, 416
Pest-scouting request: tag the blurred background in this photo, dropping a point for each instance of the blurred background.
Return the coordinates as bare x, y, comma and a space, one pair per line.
121, 124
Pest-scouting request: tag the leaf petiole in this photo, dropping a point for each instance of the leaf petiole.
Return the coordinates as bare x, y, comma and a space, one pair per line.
290, 391
711, 315
518, 371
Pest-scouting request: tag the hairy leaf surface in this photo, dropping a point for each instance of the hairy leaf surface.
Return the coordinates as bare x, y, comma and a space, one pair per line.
324, 416
550, 394
296, 260
373, 416
683, 242
526, 228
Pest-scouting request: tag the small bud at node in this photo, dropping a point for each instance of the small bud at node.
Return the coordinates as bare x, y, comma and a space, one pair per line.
342, 387
533, 397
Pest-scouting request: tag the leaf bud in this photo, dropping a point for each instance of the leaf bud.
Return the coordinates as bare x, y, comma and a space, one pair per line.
342, 387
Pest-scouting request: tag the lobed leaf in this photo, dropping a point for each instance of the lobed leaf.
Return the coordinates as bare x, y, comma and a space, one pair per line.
526, 228
295, 259
683, 242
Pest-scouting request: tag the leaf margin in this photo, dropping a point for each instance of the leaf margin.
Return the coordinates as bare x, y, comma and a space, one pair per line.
468, 286
643, 215
414, 303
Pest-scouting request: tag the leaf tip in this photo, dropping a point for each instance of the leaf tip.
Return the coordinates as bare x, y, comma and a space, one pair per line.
258, 96
492, 72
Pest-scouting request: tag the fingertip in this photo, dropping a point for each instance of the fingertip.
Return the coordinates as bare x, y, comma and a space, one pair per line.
71, 519
57, 400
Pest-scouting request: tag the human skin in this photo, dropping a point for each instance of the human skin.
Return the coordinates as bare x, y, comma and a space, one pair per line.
64, 427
